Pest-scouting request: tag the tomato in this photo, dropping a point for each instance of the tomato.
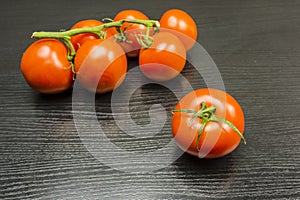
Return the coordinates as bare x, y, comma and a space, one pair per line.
79, 39
101, 65
132, 30
181, 24
216, 111
45, 66
164, 59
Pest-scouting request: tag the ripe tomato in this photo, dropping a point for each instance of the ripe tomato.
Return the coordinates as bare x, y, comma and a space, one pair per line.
79, 39
217, 137
45, 66
164, 59
132, 30
102, 64
181, 24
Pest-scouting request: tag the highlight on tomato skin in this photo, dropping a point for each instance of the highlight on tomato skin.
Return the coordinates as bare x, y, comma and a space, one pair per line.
45, 66
101, 65
164, 59
217, 139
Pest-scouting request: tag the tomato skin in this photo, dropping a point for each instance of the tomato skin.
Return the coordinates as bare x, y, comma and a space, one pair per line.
181, 24
45, 66
132, 49
153, 62
217, 138
79, 39
103, 59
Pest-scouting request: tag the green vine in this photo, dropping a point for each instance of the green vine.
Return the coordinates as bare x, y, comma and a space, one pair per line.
145, 41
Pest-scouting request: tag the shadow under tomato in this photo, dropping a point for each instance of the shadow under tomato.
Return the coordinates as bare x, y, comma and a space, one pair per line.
47, 103
204, 174
223, 164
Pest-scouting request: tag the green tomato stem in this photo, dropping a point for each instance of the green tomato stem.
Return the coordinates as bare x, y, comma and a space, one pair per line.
200, 133
71, 49
66, 35
224, 121
184, 111
71, 54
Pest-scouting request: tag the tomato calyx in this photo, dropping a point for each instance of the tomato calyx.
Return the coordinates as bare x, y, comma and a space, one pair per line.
145, 40
207, 114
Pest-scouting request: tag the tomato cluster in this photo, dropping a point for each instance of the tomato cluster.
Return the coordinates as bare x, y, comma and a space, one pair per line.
206, 123
98, 59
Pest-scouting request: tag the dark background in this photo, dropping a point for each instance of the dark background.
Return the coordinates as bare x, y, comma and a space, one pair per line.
256, 46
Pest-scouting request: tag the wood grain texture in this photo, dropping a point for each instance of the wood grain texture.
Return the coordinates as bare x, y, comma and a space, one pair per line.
256, 46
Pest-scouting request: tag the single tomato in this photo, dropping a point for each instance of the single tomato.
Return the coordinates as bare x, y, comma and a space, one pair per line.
45, 66
79, 39
208, 123
132, 31
164, 59
101, 65
181, 24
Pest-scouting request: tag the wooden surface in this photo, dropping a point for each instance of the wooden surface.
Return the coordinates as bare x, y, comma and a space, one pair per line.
256, 46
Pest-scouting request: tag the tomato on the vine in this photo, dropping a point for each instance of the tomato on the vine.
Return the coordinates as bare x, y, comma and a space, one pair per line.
79, 39
101, 65
164, 59
208, 123
132, 31
45, 66
181, 24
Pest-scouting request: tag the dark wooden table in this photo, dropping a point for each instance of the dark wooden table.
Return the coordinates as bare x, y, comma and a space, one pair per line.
256, 46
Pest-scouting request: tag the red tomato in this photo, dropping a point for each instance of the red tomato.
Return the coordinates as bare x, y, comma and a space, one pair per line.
182, 25
45, 66
132, 30
79, 39
164, 59
100, 63
218, 138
